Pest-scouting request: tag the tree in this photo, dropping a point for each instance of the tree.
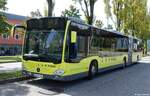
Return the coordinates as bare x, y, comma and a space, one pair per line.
36, 14
107, 10
117, 10
87, 6
4, 26
2, 4
71, 12
51, 4
132, 18
128, 15
114, 11
99, 23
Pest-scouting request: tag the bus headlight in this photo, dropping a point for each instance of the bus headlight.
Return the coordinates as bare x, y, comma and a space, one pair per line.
59, 72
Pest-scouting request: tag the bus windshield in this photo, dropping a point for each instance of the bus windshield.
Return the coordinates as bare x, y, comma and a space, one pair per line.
44, 46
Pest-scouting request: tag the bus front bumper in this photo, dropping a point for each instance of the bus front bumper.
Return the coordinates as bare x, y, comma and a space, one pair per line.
55, 77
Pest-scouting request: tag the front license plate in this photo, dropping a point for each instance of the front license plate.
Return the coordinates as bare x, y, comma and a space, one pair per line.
38, 75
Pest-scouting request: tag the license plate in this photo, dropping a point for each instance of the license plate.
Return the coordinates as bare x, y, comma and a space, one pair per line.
38, 75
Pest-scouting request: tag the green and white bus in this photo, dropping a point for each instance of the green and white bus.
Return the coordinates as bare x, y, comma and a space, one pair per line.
62, 48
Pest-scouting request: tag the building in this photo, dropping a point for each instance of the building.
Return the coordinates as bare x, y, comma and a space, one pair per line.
10, 45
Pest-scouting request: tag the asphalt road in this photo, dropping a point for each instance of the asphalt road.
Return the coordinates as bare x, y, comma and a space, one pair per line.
131, 81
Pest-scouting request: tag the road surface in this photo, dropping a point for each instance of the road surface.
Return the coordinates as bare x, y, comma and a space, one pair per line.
131, 81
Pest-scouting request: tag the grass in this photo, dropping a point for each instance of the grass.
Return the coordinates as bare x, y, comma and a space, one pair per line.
4, 76
6, 59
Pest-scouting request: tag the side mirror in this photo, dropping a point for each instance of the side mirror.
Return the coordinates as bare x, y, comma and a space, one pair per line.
73, 36
16, 27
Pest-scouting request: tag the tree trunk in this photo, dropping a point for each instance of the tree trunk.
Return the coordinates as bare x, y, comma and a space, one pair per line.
119, 8
50, 7
92, 2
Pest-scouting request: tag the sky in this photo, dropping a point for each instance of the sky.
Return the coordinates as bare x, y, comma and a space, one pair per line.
24, 7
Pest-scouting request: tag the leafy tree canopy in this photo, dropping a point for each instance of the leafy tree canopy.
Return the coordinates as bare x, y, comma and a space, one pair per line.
71, 12
2, 4
99, 23
4, 26
36, 14
129, 16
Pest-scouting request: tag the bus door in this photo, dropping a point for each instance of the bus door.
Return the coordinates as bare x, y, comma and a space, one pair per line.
130, 50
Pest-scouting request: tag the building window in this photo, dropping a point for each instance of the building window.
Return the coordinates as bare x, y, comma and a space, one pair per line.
5, 36
17, 37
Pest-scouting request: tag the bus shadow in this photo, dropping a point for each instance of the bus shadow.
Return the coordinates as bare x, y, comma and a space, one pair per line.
56, 87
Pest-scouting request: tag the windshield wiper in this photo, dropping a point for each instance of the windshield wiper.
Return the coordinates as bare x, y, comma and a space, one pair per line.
31, 55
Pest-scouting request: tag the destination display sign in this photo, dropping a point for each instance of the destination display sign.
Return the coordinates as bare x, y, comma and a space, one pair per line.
46, 24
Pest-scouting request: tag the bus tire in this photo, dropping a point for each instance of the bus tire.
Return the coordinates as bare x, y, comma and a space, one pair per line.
93, 69
124, 62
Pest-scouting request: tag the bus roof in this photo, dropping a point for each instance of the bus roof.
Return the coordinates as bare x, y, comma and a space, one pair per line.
108, 33
67, 18
98, 31
102, 32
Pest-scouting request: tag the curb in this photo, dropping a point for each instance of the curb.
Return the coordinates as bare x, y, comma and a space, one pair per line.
15, 80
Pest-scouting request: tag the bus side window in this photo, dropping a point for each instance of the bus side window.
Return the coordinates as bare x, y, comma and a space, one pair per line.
77, 50
81, 46
73, 51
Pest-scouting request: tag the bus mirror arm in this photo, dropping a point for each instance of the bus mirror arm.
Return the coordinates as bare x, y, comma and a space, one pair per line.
15, 27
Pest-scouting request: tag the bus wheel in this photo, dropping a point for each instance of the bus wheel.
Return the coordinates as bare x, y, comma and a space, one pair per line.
93, 69
124, 62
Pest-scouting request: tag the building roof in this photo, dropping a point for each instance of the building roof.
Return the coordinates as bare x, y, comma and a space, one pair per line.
15, 17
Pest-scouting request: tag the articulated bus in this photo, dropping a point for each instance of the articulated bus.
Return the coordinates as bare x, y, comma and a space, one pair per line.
62, 48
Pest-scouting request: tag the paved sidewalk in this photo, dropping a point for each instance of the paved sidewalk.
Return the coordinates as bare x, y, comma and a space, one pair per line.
8, 67
145, 60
